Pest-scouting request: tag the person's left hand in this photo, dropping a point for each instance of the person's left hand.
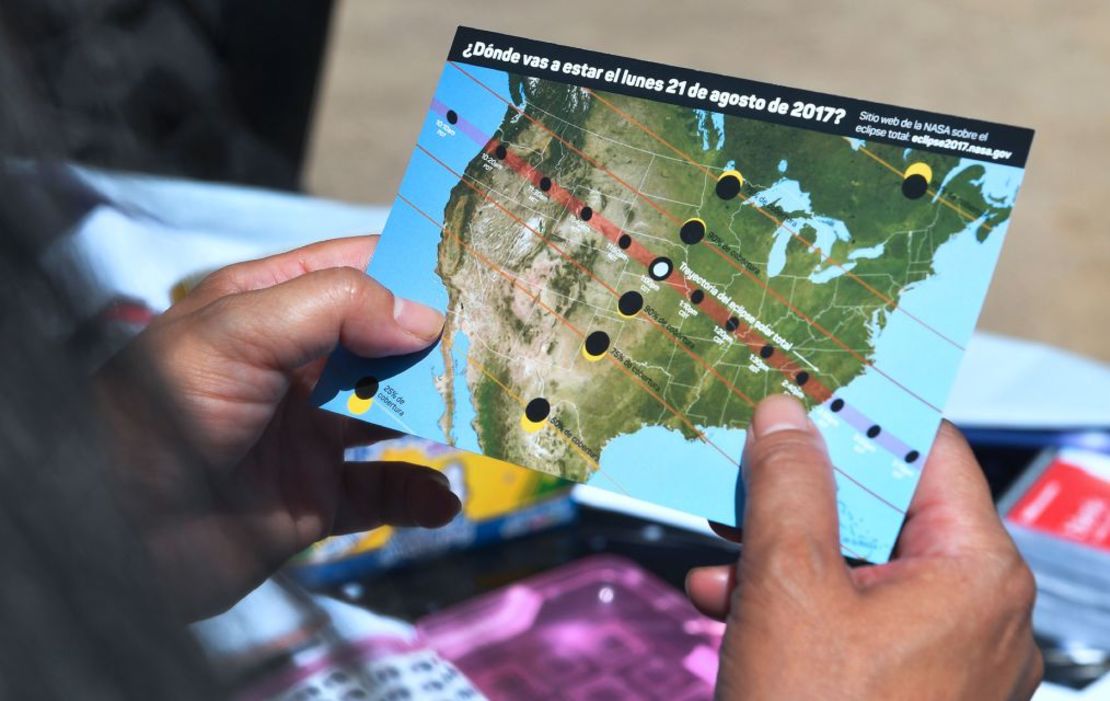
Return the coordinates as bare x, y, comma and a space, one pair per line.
263, 474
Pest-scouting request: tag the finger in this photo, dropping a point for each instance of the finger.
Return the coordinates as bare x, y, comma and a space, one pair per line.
290, 324
393, 494
790, 501
350, 252
736, 535
710, 589
951, 510
304, 378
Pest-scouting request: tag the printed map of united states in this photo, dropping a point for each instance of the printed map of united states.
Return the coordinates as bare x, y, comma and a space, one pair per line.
618, 263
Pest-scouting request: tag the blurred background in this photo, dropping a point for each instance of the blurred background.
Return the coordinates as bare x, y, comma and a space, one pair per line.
1033, 64
200, 132
327, 96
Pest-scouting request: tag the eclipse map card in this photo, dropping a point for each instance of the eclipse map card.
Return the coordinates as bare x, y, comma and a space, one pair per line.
631, 256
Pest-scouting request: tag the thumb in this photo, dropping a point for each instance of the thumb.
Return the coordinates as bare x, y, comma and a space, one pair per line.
790, 518
302, 319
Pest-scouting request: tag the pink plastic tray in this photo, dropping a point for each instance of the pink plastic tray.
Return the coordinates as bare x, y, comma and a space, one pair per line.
598, 629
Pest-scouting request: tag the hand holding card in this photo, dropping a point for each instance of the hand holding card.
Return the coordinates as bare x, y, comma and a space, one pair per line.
949, 618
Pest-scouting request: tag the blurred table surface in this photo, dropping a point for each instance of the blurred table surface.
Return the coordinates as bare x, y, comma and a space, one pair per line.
1036, 64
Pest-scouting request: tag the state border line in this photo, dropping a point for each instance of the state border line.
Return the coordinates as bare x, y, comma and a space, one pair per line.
701, 361
885, 298
710, 308
597, 466
535, 298
721, 254
520, 402
889, 442
513, 280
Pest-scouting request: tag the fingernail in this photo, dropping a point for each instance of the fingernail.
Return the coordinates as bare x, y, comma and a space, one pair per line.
417, 319
779, 412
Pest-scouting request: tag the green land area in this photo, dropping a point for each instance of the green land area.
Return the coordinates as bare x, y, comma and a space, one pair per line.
521, 339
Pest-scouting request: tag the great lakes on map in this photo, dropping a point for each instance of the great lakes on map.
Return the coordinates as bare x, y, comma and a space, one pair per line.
624, 279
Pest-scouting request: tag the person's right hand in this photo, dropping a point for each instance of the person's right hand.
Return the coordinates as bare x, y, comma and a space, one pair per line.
947, 618
247, 472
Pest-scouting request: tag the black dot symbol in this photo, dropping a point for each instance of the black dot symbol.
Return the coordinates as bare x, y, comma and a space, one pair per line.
766, 351
624, 241
586, 213
697, 296
366, 388
692, 231
452, 116
501, 152
660, 268
915, 186
728, 186
912, 456
837, 405
874, 431
732, 324
597, 343
801, 378
545, 183
537, 410
630, 303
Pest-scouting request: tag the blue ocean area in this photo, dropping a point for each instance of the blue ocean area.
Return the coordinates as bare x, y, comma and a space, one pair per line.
464, 415
660, 465
406, 255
